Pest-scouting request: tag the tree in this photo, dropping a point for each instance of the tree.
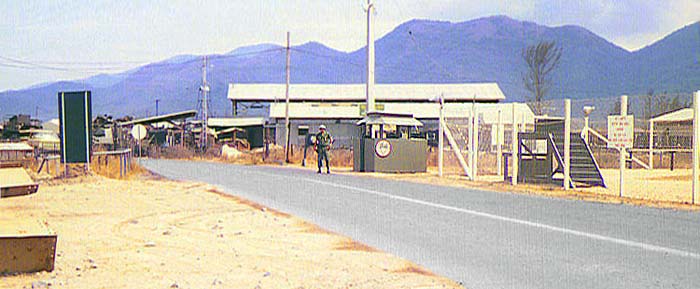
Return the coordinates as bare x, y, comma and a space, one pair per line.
541, 59
656, 104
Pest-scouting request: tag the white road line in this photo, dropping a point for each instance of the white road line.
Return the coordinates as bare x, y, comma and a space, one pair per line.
633, 244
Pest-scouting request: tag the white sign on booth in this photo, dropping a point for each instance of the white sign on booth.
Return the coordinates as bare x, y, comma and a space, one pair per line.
620, 131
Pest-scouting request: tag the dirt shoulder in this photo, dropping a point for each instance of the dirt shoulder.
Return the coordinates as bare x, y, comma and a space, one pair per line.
168, 234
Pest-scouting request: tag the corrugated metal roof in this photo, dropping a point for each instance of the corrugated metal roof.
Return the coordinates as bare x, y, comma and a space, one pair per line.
15, 146
488, 112
390, 120
685, 114
356, 92
160, 118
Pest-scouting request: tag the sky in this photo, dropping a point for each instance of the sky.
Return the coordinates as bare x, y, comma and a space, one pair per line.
65, 40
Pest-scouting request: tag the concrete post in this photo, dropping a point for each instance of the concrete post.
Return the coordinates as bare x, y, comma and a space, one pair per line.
623, 112
514, 148
567, 143
696, 143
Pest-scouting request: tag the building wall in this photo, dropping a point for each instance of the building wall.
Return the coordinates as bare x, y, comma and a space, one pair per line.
343, 131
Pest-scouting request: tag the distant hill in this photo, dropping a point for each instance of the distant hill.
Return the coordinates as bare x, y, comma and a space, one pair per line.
482, 50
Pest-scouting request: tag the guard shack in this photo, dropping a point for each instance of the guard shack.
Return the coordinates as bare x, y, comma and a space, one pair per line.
390, 143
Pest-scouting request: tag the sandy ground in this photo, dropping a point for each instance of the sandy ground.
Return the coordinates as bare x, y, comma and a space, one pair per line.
152, 233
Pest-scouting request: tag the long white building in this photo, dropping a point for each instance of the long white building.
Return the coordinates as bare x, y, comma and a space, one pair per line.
340, 106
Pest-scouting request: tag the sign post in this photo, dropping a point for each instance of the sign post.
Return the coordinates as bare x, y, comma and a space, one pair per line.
139, 133
621, 136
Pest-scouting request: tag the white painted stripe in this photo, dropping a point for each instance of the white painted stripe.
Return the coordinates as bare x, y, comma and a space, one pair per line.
87, 135
633, 244
63, 124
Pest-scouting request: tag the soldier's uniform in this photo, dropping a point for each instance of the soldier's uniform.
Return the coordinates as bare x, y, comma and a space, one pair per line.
323, 144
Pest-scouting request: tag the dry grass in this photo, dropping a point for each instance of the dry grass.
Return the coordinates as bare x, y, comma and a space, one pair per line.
111, 169
351, 245
313, 229
411, 269
249, 203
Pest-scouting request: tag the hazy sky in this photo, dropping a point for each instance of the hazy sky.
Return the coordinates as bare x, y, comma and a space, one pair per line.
71, 39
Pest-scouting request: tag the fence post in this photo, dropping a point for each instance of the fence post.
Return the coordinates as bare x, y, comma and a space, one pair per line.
474, 143
696, 142
441, 137
651, 144
499, 148
623, 112
514, 148
567, 143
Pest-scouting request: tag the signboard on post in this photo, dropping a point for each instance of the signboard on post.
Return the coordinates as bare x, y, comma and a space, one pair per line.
75, 126
620, 131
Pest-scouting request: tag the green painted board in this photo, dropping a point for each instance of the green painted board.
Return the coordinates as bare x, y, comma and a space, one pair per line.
75, 115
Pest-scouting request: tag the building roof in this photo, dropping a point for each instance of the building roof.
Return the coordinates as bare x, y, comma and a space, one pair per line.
480, 92
389, 119
685, 114
161, 118
15, 146
235, 121
488, 112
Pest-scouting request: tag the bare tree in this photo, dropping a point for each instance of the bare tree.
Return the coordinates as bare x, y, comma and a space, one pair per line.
541, 59
655, 104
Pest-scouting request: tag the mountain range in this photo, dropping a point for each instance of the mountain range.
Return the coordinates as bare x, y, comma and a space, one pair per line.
422, 51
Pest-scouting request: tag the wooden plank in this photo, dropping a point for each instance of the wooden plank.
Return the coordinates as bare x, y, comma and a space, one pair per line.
26, 247
14, 177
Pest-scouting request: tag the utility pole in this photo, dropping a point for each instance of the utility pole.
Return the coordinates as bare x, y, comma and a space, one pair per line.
157, 101
205, 104
286, 106
370, 59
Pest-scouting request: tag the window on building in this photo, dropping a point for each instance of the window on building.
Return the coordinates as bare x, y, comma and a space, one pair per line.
303, 130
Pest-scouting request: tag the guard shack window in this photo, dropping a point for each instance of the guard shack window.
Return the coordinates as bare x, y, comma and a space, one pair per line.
303, 130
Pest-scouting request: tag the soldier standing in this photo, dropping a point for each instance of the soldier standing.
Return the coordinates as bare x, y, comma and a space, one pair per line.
323, 144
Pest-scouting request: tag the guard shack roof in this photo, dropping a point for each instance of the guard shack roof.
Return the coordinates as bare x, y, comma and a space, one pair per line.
681, 115
378, 118
161, 118
479, 92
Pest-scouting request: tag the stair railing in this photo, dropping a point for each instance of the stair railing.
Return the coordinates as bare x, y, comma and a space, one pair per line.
605, 139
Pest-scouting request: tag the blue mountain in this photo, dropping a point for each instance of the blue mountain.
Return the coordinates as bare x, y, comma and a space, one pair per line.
425, 51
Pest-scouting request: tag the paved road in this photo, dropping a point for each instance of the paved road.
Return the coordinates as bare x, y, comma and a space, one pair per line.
482, 239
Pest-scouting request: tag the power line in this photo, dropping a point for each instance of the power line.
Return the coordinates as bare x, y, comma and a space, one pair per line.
69, 66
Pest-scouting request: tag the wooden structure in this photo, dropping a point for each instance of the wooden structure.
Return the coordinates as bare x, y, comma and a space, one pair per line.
541, 156
390, 143
26, 247
14, 181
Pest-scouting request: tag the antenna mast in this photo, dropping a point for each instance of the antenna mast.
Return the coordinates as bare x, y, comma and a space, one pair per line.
205, 104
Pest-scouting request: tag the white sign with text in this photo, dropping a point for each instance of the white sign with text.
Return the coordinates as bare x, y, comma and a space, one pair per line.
620, 131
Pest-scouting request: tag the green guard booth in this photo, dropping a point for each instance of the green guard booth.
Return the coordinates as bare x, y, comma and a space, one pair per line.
390, 143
